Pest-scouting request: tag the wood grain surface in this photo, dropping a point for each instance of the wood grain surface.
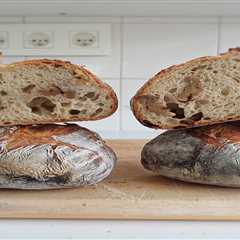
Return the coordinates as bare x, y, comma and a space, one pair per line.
129, 193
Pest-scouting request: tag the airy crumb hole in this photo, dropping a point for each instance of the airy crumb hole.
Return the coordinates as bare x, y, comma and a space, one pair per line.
174, 108
197, 117
41, 105
99, 110
76, 112
51, 91
3, 93
90, 95
28, 88
200, 67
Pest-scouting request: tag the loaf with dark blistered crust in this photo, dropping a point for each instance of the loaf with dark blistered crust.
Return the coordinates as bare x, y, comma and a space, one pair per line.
207, 155
52, 156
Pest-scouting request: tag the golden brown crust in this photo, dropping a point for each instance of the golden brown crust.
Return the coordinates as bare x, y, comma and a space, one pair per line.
218, 134
35, 135
144, 90
39, 134
75, 70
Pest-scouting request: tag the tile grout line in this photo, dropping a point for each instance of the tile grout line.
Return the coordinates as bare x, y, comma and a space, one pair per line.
121, 76
219, 23
24, 22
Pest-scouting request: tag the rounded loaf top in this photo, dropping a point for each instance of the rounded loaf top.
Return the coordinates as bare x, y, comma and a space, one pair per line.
52, 156
208, 155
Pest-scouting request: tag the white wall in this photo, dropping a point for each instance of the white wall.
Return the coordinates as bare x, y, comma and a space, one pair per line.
141, 47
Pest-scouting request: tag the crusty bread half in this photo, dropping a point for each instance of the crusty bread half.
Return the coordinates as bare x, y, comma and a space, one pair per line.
47, 91
199, 92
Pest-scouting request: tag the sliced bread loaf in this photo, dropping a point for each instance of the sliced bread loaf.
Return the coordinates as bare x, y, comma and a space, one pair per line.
47, 91
200, 92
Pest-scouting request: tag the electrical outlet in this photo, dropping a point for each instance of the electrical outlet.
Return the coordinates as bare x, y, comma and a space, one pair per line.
84, 39
62, 39
38, 40
3, 40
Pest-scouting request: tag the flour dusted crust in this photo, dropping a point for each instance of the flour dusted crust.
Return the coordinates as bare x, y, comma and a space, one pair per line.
206, 155
52, 156
48, 91
200, 92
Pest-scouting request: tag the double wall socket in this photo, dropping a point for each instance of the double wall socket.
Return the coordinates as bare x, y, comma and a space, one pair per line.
55, 39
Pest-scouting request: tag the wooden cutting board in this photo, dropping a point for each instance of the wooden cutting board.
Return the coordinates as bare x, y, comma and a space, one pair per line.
129, 193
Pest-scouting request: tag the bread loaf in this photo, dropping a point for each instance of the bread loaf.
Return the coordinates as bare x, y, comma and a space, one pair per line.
52, 156
200, 92
48, 91
207, 155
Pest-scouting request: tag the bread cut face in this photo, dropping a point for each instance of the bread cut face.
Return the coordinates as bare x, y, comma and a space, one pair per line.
47, 91
200, 92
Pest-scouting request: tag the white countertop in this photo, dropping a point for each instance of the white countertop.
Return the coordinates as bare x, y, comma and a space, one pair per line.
114, 229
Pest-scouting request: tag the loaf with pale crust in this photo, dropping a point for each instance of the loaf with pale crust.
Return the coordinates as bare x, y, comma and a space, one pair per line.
52, 156
200, 92
47, 91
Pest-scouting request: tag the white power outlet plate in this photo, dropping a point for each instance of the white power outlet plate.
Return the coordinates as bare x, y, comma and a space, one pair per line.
3, 40
38, 40
56, 39
84, 39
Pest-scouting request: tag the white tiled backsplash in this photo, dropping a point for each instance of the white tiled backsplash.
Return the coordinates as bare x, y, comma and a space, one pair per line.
140, 48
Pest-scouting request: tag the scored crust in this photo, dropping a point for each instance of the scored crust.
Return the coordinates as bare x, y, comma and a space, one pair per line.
207, 155
82, 77
52, 156
146, 90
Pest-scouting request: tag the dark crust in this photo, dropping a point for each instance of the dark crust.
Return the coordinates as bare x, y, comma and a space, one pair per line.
207, 155
144, 90
73, 68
